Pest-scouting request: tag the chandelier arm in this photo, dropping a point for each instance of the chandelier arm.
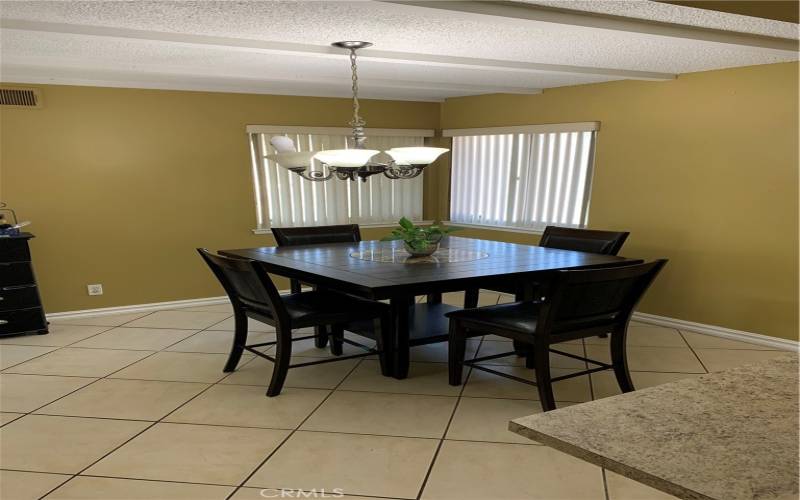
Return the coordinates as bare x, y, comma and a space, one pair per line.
345, 175
409, 172
314, 175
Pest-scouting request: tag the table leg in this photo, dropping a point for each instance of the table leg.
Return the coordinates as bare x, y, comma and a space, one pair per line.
401, 314
320, 332
435, 298
471, 296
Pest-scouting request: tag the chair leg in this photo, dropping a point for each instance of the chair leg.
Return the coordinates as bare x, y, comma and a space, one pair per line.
337, 334
471, 298
239, 340
294, 286
619, 359
530, 360
283, 356
320, 332
522, 349
384, 337
456, 346
541, 354
321, 337
434, 298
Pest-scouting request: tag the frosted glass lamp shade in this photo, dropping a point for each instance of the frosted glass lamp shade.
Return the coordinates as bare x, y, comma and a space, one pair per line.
346, 158
416, 155
293, 160
282, 144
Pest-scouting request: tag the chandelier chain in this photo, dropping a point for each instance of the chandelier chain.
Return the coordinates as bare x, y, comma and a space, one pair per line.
347, 164
357, 120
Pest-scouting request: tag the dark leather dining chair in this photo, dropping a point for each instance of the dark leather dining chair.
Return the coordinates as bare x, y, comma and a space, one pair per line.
315, 235
583, 240
569, 238
253, 295
564, 238
581, 303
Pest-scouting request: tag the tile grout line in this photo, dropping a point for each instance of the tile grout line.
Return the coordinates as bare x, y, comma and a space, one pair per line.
292, 433
693, 351
230, 426
106, 377
441, 440
96, 379
605, 483
160, 420
58, 348
30, 412
72, 392
153, 423
449, 422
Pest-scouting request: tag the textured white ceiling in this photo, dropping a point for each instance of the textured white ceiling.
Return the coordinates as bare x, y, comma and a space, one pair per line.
117, 59
666, 13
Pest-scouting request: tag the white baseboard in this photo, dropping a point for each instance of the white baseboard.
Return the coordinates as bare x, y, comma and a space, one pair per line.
718, 331
679, 324
155, 306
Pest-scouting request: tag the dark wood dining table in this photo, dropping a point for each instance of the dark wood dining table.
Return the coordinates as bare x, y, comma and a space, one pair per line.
380, 270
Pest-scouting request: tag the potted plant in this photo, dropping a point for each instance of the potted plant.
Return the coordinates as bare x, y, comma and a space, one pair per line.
420, 241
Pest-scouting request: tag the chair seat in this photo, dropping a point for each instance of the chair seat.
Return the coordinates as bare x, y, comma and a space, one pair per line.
318, 307
519, 317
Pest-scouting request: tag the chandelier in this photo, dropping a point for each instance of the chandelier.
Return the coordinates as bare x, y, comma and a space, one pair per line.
355, 162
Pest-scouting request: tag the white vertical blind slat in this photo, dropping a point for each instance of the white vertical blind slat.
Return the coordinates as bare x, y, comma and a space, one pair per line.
283, 199
521, 180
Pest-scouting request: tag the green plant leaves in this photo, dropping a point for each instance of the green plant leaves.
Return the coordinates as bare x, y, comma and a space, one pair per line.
418, 237
406, 224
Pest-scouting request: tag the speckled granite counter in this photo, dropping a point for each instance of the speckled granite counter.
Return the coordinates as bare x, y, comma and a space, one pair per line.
729, 435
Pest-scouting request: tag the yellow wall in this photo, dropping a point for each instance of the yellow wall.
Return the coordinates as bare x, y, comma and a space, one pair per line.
122, 184
702, 170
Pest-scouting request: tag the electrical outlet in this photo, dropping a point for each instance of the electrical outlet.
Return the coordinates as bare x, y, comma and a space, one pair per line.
95, 289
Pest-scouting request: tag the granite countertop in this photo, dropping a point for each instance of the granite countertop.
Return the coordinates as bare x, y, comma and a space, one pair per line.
729, 435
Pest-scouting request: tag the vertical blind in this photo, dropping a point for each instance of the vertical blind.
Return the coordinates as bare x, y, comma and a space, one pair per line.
284, 199
522, 180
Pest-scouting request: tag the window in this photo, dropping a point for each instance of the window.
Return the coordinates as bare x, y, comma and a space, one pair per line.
284, 199
522, 177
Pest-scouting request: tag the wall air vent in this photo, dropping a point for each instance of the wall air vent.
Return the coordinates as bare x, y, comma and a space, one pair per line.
20, 97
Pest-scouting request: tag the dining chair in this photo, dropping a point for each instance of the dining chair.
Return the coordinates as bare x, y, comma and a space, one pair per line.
583, 240
569, 238
563, 238
253, 295
315, 235
580, 304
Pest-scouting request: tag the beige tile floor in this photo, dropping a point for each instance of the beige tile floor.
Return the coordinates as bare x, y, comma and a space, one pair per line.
136, 406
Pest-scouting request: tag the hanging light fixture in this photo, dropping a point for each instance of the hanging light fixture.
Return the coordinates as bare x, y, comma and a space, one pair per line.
352, 163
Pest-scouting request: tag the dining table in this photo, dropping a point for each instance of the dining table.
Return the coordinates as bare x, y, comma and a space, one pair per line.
384, 270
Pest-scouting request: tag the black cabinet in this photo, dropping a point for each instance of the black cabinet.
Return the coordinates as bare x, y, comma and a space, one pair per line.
20, 305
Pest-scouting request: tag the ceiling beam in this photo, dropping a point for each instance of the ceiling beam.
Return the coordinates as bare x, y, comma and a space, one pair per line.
19, 66
308, 50
529, 12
